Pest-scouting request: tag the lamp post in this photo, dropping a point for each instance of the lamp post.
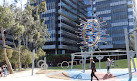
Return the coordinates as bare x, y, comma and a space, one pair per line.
127, 51
33, 59
45, 62
135, 39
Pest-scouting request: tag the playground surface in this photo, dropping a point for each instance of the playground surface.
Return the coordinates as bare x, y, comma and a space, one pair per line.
78, 75
114, 75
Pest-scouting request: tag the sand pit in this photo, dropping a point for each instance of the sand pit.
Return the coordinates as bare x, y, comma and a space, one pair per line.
56, 74
60, 76
47, 72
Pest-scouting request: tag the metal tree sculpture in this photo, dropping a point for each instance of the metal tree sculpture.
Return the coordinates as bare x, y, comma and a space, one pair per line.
91, 32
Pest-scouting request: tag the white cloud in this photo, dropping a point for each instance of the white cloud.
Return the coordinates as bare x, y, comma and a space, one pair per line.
12, 1
23, 3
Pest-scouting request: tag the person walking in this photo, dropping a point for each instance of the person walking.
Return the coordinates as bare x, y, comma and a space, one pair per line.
93, 68
108, 64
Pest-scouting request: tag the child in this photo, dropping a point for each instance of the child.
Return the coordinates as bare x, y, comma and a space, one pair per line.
108, 65
5, 70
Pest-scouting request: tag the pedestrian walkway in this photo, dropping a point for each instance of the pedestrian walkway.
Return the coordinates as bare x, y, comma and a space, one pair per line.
26, 76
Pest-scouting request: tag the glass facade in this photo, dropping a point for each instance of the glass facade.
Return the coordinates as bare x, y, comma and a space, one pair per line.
119, 15
61, 18
89, 8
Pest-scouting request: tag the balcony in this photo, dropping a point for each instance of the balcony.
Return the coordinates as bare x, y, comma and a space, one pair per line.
68, 47
67, 14
67, 7
118, 3
65, 26
130, 4
107, 39
67, 40
105, 46
72, 4
66, 19
49, 47
51, 39
67, 34
130, 9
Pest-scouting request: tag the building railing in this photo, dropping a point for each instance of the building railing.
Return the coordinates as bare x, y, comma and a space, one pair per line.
49, 47
68, 7
66, 26
66, 19
72, 4
105, 46
67, 34
68, 47
67, 40
63, 12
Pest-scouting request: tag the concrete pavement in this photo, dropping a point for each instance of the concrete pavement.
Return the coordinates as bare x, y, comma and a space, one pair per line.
26, 76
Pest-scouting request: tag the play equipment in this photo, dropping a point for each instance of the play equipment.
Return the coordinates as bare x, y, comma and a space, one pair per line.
129, 53
90, 32
42, 64
67, 64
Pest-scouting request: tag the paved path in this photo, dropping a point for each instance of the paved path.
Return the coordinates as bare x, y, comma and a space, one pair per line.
26, 76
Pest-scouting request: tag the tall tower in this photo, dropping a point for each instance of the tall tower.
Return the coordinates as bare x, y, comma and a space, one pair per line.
118, 14
61, 18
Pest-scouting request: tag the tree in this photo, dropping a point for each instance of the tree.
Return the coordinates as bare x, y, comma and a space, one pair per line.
9, 53
1, 54
33, 1
26, 57
15, 59
6, 21
35, 29
40, 52
16, 31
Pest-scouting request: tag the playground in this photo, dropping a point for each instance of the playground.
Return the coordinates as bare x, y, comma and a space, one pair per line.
118, 73
125, 69
101, 46
78, 75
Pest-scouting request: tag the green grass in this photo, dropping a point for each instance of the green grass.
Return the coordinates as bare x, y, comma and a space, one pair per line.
119, 64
